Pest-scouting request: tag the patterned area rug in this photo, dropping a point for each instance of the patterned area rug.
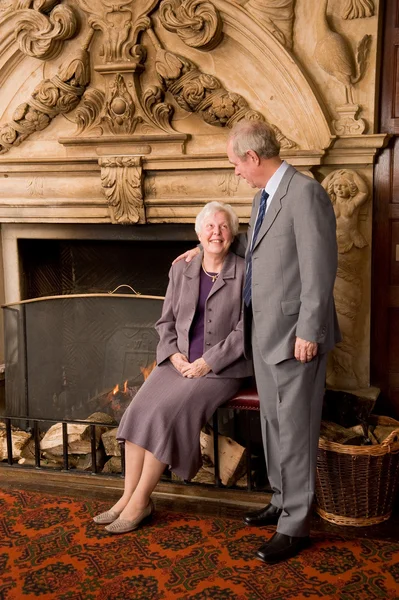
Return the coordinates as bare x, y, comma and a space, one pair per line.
51, 549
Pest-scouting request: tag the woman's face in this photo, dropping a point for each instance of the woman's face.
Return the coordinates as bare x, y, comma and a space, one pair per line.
215, 235
341, 188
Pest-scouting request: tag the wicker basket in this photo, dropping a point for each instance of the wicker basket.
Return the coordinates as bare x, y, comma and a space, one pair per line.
356, 485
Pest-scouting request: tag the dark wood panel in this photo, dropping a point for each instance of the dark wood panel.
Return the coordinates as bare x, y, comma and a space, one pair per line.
390, 64
395, 87
384, 354
381, 259
394, 279
395, 172
394, 296
393, 344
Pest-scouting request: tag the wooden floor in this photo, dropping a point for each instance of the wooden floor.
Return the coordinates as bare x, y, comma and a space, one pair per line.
193, 499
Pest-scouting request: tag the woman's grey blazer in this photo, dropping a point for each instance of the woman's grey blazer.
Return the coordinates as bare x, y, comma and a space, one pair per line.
223, 338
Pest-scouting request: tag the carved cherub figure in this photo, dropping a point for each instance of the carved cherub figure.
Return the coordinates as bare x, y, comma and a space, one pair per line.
348, 191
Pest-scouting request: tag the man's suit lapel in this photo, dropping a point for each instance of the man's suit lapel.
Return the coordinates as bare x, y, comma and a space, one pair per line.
275, 205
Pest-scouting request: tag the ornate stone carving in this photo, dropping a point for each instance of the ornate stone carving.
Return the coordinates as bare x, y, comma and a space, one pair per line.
196, 22
348, 192
348, 122
203, 94
40, 35
121, 180
44, 6
357, 9
334, 54
158, 111
35, 187
52, 97
120, 108
88, 113
276, 15
120, 22
228, 183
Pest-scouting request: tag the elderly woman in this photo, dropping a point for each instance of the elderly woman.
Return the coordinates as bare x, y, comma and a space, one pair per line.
200, 364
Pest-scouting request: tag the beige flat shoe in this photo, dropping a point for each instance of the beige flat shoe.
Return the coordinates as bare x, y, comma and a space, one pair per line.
126, 525
106, 517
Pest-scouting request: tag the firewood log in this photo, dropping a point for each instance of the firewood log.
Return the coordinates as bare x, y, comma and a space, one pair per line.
19, 440
85, 462
332, 432
49, 456
381, 432
78, 435
231, 457
111, 445
113, 465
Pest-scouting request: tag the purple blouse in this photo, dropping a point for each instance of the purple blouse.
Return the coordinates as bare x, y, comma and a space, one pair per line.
196, 349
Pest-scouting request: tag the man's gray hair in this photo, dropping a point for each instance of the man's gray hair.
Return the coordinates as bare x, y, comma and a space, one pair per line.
212, 208
254, 135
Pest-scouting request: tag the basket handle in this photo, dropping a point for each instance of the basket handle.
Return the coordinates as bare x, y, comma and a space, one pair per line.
393, 438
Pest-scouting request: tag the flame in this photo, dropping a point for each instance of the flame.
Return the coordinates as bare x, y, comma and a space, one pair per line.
115, 390
125, 387
147, 370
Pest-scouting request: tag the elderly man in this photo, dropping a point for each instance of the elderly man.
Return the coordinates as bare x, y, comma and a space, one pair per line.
290, 325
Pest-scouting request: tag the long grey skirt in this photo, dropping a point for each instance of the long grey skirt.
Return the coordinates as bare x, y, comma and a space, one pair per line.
167, 414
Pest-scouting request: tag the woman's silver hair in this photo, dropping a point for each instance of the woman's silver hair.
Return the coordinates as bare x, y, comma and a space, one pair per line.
212, 208
254, 135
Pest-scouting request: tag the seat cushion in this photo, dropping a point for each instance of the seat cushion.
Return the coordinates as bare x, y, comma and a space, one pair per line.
244, 399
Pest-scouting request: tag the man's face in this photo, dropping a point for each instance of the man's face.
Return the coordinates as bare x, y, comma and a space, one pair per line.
247, 168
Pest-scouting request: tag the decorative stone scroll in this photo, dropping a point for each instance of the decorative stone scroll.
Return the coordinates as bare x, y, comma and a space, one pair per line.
121, 180
357, 9
203, 94
348, 122
348, 192
88, 113
42, 36
51, 97
196, 22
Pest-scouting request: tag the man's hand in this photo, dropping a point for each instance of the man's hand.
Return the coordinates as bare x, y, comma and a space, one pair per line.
305, 351
188, 256
179, 361
198, 368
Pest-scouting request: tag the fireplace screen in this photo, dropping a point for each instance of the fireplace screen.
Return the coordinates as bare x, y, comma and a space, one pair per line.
70, 356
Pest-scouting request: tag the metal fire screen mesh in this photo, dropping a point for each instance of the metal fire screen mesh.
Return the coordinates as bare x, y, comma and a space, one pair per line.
70, 356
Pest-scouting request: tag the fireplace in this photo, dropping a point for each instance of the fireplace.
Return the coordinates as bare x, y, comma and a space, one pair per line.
69, 340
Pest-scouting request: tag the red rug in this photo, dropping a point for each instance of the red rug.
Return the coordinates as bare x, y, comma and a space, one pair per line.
51, 549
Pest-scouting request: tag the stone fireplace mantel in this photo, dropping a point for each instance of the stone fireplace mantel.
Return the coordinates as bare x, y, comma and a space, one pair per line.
117, 114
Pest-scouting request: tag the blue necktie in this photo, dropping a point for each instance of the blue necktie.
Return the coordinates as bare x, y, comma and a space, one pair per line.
248, 275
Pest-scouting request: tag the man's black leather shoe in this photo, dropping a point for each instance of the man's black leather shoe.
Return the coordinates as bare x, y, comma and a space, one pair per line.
269, 515
280, 547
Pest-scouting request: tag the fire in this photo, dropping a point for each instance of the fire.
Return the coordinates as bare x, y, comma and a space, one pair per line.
115, 390
147, 370
125, 387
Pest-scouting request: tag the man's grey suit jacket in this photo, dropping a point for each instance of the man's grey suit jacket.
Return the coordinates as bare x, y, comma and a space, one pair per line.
293, 270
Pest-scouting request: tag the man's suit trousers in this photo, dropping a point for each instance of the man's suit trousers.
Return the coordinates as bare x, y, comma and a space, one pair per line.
291, 398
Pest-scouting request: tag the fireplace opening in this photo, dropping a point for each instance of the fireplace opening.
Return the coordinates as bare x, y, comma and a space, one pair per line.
79, 266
